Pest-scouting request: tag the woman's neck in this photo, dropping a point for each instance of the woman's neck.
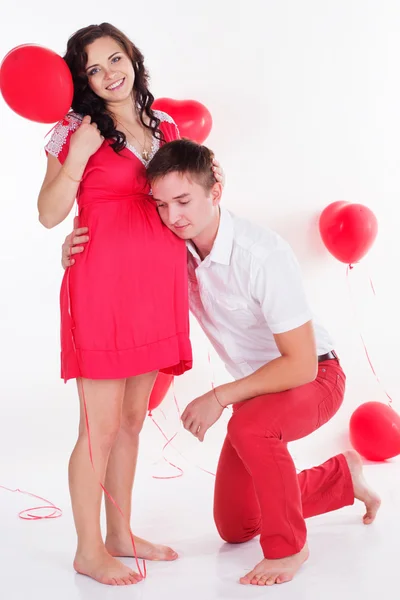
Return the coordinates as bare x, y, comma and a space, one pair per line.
124, 112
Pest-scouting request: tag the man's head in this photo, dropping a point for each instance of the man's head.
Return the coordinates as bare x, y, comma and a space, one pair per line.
184, 188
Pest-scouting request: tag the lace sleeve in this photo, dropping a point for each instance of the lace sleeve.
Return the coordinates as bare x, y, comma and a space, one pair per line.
58, 144
169, 127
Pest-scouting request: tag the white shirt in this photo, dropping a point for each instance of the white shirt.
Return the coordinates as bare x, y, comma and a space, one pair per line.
246, 290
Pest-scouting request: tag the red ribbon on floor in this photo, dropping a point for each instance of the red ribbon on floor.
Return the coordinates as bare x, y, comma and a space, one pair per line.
27, 514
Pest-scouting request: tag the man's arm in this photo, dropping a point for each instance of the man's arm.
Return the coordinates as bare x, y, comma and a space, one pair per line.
296, 366
278, 288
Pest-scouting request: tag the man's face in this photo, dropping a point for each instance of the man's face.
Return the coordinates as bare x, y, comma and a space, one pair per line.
184, 206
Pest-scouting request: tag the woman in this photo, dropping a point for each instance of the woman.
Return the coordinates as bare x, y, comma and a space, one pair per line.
124, 308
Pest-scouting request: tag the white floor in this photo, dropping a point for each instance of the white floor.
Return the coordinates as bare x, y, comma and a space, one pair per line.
348, 560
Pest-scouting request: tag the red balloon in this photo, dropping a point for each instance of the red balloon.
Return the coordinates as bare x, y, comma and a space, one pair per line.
160, 389
348, 230
375, 431
329, 213
193, 119
36, 83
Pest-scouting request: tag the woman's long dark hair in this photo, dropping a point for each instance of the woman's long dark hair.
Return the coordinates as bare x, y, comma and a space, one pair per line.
86, 102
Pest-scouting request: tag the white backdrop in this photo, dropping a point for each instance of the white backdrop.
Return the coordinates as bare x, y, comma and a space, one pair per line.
305, 102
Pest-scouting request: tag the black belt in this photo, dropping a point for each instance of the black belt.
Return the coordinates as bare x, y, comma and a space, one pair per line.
328, 356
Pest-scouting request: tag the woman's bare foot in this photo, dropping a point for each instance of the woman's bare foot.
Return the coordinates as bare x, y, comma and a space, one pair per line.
268, 572
122, 546
361, 490
105, 569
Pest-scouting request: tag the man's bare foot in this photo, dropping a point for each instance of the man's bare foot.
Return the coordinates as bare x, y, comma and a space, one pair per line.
361, 490
122, 546
268, 572
105, 569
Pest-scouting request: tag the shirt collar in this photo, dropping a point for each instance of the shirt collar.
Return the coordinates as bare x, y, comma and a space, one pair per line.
222, 249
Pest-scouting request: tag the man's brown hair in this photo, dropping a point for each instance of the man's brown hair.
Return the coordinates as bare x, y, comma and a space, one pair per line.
184, 157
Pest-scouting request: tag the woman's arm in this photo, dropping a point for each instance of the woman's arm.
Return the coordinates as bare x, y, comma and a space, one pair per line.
60, 185
58, 191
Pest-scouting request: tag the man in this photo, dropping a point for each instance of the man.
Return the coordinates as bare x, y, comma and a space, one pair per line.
246, 292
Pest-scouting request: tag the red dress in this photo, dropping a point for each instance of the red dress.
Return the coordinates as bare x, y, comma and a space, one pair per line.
124, 304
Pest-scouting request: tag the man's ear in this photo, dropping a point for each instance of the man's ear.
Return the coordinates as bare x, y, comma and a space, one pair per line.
216, 193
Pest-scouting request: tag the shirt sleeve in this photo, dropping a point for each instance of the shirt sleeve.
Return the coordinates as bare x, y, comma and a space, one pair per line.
58, 144
278, 287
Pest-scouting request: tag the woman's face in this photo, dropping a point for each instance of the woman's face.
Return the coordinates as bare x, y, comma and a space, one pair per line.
109, 70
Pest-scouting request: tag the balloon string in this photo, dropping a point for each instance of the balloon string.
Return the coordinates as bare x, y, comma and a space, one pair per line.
48, 133
179, 414
167, 444
361, 336
144, 574
372, 286
170, 440
27, 514
211, 369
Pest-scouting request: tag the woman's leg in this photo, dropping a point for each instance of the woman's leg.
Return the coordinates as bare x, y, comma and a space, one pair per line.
103, 402
121, 473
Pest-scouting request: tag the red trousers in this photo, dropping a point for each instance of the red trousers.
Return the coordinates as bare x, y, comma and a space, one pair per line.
257, 489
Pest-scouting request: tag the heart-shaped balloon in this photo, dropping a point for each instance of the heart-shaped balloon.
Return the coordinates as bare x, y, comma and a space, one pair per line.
193, 119
160, 389
348, 230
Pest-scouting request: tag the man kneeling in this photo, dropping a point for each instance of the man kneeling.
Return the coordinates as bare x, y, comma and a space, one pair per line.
246, 291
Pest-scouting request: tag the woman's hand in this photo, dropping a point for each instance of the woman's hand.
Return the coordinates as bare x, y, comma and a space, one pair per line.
218, 172
86, 140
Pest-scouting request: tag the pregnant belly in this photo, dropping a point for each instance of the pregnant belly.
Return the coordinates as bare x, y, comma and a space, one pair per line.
130, 273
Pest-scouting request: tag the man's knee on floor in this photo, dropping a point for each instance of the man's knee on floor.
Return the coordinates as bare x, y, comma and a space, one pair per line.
233, 528
232, 534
